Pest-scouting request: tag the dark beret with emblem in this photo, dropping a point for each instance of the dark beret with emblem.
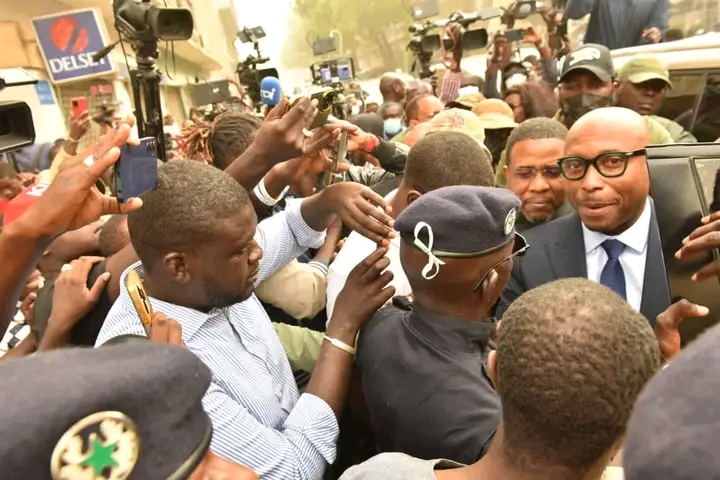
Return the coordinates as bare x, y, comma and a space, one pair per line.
674, 430
123, 411
460, 221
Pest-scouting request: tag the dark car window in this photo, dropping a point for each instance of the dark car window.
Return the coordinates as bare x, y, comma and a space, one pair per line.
680, 101
707, 121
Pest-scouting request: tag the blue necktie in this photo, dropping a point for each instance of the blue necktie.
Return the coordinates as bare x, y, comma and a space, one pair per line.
613, 275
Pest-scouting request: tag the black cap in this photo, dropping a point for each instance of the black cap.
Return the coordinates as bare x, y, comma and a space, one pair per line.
125, 411
674, 431
459, 221
592, 57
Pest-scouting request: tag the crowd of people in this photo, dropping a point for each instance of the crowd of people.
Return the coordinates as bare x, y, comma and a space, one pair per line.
472, 293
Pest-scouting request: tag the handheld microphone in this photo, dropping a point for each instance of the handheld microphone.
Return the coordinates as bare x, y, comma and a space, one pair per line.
270, 91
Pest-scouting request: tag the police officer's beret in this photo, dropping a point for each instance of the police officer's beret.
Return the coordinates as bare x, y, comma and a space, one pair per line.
460, 221
112, 412
674, 431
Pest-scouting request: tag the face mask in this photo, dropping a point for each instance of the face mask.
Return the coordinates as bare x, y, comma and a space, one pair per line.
393, 126
578, 105
515, 80
355, 110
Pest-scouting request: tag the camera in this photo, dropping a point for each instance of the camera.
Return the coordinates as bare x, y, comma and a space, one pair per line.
16, 123
146, 22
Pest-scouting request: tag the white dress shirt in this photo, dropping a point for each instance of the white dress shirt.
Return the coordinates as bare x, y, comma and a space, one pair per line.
354, 251
259, 419
632, 259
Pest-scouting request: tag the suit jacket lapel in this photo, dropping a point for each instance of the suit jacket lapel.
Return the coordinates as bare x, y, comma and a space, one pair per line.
567, 251
656, 292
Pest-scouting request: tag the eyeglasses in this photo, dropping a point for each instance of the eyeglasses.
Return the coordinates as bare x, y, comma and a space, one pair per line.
608, 164
519, 248
528, 173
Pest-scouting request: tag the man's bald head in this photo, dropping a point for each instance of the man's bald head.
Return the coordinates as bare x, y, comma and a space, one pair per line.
607, 144
608, 122
392, 87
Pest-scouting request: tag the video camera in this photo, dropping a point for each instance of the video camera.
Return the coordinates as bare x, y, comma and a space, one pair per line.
422, 44
16, 123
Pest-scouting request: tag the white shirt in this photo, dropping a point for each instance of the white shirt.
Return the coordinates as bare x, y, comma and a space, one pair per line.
354, 251
632, 259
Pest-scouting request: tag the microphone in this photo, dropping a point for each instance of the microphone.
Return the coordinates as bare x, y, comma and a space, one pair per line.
270, 91
103, 52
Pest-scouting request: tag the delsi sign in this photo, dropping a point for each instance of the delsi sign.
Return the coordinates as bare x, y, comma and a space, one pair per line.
68, 40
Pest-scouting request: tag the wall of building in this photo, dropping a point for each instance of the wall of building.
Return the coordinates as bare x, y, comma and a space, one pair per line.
205, 57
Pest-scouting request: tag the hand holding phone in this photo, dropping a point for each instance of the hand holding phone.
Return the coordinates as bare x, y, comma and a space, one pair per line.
515, 35
78, 106
325, 98
136, 171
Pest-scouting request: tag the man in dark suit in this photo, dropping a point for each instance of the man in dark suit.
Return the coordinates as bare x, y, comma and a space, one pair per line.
613, 238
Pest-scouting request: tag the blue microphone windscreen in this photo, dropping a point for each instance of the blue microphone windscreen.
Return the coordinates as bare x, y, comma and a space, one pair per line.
270, 91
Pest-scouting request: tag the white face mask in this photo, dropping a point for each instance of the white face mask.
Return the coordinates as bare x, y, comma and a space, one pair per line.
393, 126
355, 110
515, 79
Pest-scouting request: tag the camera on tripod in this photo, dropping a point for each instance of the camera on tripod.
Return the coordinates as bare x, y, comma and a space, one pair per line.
16, 123
248, 73
143, 25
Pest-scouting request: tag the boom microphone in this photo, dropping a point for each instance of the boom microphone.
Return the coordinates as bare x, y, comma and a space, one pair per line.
270, 91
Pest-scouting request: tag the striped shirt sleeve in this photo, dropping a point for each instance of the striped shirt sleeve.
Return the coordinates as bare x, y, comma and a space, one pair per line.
284, 237
450, 89
298, 450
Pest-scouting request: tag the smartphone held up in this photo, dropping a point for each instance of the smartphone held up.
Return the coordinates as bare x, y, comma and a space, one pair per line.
136, 171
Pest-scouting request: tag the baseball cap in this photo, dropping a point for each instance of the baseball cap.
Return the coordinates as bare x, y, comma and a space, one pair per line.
458, 120
466, 102
592, 57
494, 114
642, 68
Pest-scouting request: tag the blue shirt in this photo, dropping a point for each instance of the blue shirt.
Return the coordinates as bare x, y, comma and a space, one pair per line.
619, 23
259, 419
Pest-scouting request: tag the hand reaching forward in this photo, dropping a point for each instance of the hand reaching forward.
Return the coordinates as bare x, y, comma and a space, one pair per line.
72, 201
365, 291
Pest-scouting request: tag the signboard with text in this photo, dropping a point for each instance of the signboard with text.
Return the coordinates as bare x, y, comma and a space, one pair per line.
68, 41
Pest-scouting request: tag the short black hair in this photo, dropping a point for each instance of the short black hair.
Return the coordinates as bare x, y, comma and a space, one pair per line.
387, 105
114, 235
412, 108
535, 129
183, 211
572, 358
444, 159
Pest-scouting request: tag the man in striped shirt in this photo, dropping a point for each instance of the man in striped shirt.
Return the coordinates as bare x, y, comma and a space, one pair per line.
200, 248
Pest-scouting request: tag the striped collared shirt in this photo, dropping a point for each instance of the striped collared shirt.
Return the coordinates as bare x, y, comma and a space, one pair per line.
259, 418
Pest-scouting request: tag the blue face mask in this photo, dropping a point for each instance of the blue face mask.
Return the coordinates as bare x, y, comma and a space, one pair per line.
393, 126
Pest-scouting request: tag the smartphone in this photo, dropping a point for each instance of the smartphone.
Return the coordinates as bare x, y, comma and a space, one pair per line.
682, 186
140, 299
136, 171
78, 105
325, 98
515, 35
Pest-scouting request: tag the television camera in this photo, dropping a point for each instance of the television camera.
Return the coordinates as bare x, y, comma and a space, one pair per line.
143, 25
422, 44
16, 123
248, 73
